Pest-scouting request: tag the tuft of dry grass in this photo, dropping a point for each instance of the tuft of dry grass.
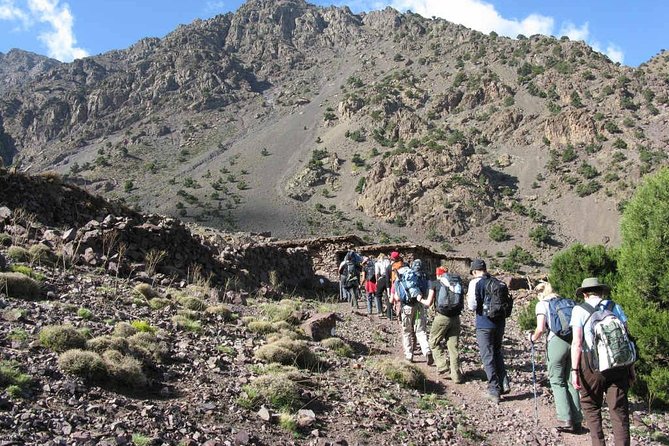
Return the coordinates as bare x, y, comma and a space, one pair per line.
88, 365
339, 346
60, 338
146, 291
288, 352
402, 372
20, 286
275, 390
124, 370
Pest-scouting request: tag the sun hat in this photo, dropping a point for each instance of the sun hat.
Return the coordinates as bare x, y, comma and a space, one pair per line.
440, 271
592, 283
394, 255
477, 265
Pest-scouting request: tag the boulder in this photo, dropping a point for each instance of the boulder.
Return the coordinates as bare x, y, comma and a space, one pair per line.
321, 326
516, 283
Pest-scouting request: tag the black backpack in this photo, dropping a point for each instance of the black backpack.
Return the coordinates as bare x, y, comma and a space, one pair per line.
370, 274
449, 297
352, 273
497, 302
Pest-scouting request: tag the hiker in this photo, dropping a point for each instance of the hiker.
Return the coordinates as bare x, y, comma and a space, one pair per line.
382, 272
447, 290
553, 316
408, 290
396, 262
369, 277
350, 270
592, 384
489, 330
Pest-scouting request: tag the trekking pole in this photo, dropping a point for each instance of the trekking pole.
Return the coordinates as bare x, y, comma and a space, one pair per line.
534, 385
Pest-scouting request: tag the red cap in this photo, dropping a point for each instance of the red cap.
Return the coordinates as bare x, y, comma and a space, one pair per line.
394, 255
440, 271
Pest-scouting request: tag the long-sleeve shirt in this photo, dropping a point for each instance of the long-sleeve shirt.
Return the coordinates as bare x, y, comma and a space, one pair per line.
475, 296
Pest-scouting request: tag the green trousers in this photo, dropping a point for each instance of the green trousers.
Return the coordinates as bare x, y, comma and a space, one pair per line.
567, 403
448, 328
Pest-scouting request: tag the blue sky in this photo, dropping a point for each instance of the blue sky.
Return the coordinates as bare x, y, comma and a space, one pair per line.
627, 31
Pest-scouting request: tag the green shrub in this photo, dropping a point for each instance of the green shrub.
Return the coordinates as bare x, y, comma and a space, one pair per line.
220, 310
124, 330
527, 319
571, 266
192, 303
82, 363
101, 344
19, 286
403, 373
288, 352
498, 233
27, 271
147, 347
85, 313
18, 254
186, 323
11, 375
288, 422
338, 346
124, 370
143, 326
643, 289
5, 239
158, 303
141, 440
146, 291
275, 390
541, 235
282, 311
60, 338
41, 254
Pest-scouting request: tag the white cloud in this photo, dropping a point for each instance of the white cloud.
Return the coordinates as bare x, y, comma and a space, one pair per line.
574, 32
612, 51
59, 37
213, 6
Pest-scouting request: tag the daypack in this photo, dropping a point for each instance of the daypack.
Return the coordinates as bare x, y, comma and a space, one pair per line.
408, 285
497, 302
559, 312
352, 273
611, 347
449, 298
370, 273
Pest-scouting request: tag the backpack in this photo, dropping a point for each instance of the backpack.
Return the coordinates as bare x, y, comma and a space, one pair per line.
559, 314
352, 273
449, 298
497, 302
370, 273
408, 285
611, 347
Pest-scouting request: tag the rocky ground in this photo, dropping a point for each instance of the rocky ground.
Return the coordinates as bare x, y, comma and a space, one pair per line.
197, 386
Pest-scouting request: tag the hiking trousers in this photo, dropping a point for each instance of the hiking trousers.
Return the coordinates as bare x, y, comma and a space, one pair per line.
489, 341
414, 320
614, 384
382, 291
444, 327
566, 398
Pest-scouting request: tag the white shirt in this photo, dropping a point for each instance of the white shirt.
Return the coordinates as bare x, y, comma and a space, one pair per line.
382, 267
543, 308
580, 315
471, 293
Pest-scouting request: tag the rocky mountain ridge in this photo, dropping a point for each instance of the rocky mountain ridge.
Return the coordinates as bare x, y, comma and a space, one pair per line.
390, 125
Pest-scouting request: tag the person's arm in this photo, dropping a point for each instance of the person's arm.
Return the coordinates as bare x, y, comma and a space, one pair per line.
576, 345
539, 330
471, 295
430, 298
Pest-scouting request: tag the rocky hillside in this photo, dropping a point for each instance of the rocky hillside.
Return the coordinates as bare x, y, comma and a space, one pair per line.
104, 343
299, 120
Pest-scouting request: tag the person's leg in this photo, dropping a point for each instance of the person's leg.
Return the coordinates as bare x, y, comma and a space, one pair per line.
558, 373
453, 338
616, 399
420, 328
407, 331
484, 338
592, 395
439, 329
369, 303
498, 353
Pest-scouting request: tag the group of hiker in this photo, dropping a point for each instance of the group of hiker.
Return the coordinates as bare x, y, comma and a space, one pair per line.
589, 352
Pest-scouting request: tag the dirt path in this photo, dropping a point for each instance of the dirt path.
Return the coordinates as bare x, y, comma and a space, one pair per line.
512, 422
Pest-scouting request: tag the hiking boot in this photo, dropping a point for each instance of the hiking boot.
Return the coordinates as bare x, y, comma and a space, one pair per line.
506, 386
578, 428
492, 398
565, 426
430, 359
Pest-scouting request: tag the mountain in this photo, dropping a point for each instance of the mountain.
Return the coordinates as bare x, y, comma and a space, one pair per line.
298, 120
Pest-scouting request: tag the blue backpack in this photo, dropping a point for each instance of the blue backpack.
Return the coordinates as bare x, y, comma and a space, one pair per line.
559, 312
409, 285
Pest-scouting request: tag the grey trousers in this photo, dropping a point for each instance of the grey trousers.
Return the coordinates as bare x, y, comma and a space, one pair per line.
490, 349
